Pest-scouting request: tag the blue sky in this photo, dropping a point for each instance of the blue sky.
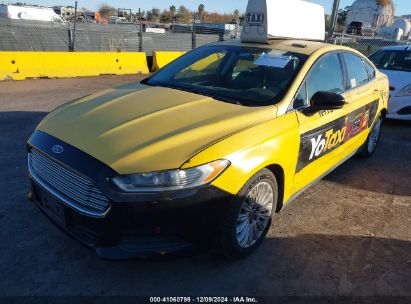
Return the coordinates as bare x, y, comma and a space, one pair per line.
402, 6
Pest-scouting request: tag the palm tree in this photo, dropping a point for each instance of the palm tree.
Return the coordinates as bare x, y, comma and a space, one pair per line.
173, 11
201, 10
236, 15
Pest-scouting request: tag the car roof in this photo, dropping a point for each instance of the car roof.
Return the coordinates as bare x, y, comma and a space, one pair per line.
297, 46
397, 48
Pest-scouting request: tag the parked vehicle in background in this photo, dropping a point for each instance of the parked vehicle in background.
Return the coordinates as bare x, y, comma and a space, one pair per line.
395, 62
359, 28
32, 13
118, 20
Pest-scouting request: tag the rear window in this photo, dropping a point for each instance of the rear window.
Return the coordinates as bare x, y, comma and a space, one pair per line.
392, 60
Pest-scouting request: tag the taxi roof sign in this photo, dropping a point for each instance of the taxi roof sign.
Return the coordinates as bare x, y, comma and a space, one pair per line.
290, 19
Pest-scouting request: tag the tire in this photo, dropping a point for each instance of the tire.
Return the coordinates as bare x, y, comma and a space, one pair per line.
246, 214
373, 139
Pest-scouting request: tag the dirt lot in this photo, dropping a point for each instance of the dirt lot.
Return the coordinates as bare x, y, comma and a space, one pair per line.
348, 235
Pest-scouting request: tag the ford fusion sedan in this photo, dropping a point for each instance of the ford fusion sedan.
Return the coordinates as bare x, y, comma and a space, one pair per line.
395, 62
213, 144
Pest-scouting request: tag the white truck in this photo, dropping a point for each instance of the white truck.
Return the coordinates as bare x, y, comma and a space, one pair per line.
32, 13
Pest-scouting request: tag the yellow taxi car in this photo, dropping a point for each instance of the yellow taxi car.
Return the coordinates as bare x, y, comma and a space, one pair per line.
211, 145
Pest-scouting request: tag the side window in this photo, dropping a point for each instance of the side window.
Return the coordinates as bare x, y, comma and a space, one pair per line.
357, 74
326, 75
370, 69
300, 100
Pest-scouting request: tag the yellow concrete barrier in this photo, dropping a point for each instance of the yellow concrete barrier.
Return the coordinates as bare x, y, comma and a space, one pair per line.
23, 65
161, 59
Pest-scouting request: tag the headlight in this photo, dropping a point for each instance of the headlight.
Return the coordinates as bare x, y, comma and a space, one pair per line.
406, 91
171, 180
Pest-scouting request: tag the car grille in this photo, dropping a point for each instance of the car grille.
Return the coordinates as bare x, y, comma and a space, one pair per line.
69, 186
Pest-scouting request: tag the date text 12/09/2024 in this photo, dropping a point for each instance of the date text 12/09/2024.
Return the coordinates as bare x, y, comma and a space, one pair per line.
204, 300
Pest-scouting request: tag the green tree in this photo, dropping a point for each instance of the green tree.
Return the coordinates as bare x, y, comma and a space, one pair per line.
106, 11
173, 10
236, 15
201, 10
342, 16
154, 15
184, 15
167, 16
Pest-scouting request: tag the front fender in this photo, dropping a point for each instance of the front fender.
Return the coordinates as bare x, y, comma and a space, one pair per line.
275, 142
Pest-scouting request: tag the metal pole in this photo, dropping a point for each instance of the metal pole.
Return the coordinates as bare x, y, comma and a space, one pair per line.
140, 32
193, 33
237, 28
74, 27
334, 17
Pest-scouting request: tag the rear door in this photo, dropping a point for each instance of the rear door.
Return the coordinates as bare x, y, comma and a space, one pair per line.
362, 102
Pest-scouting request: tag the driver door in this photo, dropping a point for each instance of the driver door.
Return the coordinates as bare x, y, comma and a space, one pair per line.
322, 132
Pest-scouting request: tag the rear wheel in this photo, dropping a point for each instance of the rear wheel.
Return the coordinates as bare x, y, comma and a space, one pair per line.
370, 145
248, 217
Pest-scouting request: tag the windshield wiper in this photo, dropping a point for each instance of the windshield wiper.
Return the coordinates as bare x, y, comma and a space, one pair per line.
199, 92
224, 98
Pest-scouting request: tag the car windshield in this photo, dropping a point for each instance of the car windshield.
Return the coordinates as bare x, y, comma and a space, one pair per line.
249, 76
392, 60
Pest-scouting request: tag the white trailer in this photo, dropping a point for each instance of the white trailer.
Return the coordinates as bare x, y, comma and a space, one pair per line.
32, 13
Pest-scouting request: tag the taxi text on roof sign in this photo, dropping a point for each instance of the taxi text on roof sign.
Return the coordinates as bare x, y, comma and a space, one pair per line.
294, 19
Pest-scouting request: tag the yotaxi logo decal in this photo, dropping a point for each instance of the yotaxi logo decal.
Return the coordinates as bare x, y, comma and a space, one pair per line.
325, 139
320, 144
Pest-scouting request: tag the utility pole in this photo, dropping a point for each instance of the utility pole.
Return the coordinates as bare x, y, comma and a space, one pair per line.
140, 32
334, 17
74, 28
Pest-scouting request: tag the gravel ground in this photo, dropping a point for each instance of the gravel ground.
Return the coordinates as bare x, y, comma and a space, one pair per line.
348, 235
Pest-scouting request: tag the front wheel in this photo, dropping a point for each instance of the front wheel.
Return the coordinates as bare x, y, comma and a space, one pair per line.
370, 145
248, 217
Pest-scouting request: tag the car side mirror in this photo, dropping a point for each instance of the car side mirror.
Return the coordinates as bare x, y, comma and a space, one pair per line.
145, 80
326, 101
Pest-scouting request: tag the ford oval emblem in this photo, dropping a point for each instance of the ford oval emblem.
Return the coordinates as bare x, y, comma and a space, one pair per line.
57, 149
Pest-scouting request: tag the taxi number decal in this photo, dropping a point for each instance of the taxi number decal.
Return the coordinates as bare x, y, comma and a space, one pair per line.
327, 138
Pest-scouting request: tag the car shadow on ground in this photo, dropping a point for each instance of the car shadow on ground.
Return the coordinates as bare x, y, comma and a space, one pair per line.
388, 171
309, 265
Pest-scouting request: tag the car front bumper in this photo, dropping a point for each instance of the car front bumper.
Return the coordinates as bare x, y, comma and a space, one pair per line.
399, 108
136, 226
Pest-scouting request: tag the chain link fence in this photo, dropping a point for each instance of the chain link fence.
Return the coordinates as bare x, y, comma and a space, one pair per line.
363, 44
23, 35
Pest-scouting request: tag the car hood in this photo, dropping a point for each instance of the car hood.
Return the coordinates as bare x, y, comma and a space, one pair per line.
137, 128
398, 80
